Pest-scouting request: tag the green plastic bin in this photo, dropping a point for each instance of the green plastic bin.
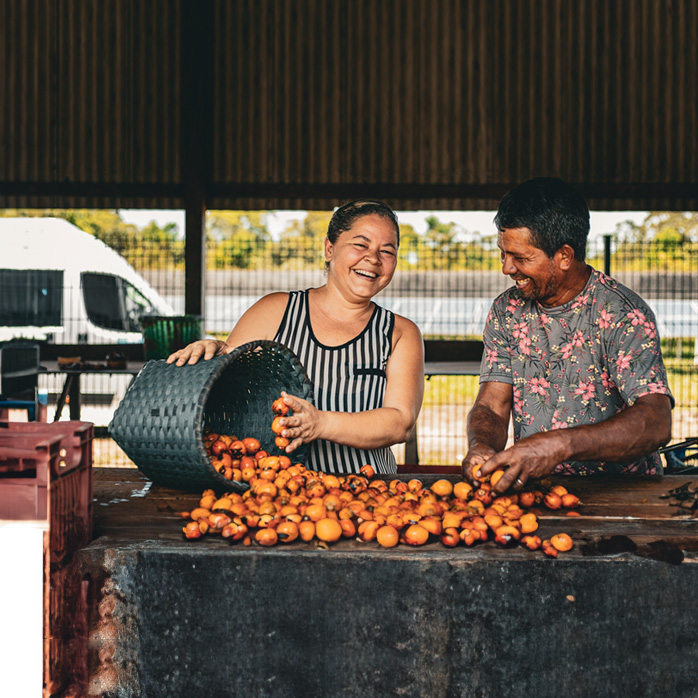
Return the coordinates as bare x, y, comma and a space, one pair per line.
164, 334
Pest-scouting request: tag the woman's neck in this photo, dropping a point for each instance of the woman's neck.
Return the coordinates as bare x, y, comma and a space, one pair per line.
334, 319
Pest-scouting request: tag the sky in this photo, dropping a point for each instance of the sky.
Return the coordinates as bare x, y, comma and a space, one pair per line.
474, 221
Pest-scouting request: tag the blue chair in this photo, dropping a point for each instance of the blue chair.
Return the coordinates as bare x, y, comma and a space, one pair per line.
19, 377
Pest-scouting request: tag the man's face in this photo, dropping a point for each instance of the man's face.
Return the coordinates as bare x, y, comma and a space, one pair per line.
536, 275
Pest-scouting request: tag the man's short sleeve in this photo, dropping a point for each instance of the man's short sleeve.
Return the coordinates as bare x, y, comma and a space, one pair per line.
634, 355
496, 356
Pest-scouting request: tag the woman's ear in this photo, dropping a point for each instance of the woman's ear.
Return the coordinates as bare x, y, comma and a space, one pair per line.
329, 247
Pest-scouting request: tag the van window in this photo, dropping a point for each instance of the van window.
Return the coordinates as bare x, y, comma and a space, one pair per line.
113, 303
31, 297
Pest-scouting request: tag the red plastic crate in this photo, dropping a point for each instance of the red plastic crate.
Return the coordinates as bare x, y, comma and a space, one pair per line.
46, 475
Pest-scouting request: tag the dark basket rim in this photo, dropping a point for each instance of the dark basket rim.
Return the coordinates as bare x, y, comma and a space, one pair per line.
224, 361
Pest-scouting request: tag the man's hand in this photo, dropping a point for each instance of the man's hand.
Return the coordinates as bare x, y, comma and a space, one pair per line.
533, 457
476, 457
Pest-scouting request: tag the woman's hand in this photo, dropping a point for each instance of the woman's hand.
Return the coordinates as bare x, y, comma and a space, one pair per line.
303, 425
208, 348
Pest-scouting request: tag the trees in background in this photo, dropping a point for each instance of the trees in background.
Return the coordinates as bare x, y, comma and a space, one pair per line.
665, 239
242, 240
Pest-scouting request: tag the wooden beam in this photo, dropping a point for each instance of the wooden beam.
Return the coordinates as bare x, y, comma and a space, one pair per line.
196, 98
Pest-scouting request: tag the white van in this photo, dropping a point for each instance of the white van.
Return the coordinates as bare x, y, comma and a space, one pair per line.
63, 285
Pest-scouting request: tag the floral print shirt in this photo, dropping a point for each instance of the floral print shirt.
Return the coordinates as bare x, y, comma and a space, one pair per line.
579, 363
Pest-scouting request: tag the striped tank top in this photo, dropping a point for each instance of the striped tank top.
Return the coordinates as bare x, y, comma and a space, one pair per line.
347, 378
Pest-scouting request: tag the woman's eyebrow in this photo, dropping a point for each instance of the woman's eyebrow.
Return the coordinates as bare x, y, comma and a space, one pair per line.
366, 239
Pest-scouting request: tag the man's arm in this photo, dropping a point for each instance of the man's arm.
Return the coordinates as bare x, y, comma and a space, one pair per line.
630, 434
488, 425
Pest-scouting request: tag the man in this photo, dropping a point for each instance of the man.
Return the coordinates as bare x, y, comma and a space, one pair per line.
572, 355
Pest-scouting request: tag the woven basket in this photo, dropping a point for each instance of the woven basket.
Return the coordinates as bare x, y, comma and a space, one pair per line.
160, 422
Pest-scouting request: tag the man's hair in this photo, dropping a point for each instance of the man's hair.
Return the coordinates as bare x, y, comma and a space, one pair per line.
554, 212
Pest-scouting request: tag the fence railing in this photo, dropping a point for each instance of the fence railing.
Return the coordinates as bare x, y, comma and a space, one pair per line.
447, 292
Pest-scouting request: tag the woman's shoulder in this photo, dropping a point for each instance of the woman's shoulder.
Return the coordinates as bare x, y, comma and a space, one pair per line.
272, 301
404, 327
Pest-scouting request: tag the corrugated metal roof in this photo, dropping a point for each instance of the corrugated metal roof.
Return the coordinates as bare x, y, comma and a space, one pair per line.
426, 103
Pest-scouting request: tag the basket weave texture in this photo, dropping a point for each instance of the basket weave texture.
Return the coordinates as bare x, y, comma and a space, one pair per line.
167, 409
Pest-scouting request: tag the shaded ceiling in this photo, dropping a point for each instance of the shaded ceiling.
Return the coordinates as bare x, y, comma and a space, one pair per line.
303, 103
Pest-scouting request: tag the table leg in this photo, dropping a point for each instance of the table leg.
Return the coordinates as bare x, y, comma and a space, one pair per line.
71, 395
61, 398
75, 398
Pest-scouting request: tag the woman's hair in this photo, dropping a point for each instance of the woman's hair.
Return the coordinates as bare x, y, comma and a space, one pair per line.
345, 216
554, 212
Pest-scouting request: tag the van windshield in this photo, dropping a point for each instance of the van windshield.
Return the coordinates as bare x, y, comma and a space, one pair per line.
31, 297
113, 303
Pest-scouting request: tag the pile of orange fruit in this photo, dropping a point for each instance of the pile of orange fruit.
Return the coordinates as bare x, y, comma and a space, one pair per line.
286, 503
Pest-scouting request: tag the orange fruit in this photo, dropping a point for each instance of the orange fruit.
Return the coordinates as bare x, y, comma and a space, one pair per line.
192, 530
199, 513
451, 520
287, 531
531, 542
450, 537
316, 512
495, 477
529, 523
432, 524
387, 536
414, 485
367, 471
328, 530
416, 535
548, 548
570, 501
442, 488
527, 499
306, 530
251, 445
348, 528
266, 537
462, 490
280, 407
367, 530
276, 426
561, 542
493, 521
330, 481
552, 500
559, 490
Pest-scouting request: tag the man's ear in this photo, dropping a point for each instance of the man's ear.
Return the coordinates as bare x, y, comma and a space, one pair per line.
565, 257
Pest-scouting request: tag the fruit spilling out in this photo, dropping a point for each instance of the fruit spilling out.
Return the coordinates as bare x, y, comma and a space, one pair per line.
288, 503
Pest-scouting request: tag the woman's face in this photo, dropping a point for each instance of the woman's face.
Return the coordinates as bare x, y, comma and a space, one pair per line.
363, 259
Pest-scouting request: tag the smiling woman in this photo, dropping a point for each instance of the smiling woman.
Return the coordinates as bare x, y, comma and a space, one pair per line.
366, 363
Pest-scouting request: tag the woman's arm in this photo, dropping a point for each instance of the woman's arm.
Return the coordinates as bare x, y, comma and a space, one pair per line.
259, 321
379, 428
